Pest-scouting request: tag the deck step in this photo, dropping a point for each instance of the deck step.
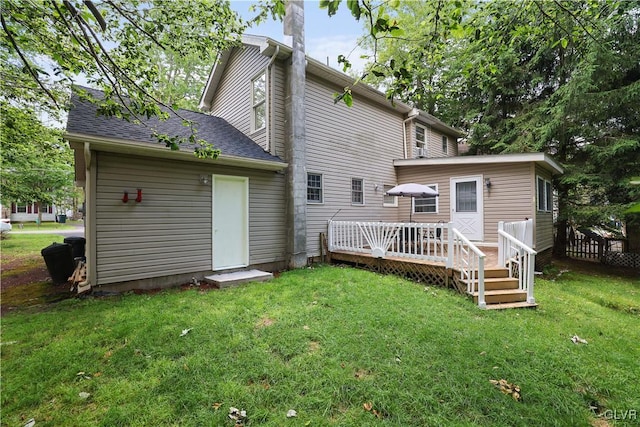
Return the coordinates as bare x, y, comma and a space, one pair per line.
496, 272
227, 280
496, 284
502, 296
504, 306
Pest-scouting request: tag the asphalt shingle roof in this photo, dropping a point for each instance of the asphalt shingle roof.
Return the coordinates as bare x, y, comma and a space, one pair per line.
84, 119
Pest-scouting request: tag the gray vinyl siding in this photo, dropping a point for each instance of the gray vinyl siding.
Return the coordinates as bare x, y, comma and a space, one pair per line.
509, 199
348, 142
169, 232
278, 99
544, 220
232, 101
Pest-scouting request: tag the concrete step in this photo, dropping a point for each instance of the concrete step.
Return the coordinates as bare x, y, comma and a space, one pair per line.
504, 306
226, 280
495, 284
502, 296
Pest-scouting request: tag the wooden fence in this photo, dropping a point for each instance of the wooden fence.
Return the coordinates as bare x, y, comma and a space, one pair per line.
585, 244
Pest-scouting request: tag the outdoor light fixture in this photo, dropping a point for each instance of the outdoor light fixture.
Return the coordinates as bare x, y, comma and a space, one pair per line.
487, 182
204, 179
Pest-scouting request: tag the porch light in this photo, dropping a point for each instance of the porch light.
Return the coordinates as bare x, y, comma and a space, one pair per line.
487, 182
204, 179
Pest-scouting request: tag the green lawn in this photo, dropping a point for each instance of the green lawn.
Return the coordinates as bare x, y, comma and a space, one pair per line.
327, 342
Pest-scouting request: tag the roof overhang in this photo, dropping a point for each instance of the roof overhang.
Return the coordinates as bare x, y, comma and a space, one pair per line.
542, 159
146, 149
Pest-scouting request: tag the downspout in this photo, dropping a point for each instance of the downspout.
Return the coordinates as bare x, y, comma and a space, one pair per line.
412, 115
268, 100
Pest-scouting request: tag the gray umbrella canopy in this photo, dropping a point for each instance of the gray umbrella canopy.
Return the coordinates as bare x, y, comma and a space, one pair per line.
412, 190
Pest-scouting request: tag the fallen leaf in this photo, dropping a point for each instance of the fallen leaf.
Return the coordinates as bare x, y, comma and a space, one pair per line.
507, 388
306, 328
97, 374
216, 405
367, 406
84, 395
108, 354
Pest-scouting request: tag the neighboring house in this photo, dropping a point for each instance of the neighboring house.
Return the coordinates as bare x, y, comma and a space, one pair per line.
289, 164
29, 212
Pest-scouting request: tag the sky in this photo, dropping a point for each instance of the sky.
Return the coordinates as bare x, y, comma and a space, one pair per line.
325, 37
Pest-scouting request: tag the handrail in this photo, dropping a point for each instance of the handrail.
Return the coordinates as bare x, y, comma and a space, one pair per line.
515, 253
470, 261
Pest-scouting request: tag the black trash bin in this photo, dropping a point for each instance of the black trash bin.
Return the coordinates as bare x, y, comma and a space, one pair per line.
62, 218
77, 246
59, 261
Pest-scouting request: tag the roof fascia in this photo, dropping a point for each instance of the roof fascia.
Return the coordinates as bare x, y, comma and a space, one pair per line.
542, 159
156, 151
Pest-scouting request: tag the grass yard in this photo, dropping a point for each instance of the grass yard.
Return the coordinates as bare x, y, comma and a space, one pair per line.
340, 346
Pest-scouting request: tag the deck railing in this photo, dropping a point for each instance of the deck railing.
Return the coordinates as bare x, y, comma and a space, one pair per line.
383, 239
518, 257
469, 260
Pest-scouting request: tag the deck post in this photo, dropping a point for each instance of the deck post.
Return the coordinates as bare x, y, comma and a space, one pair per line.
481, 301
501, 245
450, 245
530, 278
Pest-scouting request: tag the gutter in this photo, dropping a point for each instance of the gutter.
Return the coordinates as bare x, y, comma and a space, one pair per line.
123, 146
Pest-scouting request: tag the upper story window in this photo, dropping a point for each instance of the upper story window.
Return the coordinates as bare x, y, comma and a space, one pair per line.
445, 144
357, 191
545, 195
389, 201
314, 188
258, 102
426, 204
421, 136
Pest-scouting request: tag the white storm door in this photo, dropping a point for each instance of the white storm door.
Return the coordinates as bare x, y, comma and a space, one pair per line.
230, 221
466, 207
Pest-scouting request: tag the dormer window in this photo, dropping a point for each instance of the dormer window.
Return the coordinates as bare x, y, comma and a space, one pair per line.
258, 101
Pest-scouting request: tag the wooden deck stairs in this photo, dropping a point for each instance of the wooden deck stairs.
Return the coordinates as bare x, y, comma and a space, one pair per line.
500, 291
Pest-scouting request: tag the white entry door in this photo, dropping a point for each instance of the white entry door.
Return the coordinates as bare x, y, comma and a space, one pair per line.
230, 221
466, 207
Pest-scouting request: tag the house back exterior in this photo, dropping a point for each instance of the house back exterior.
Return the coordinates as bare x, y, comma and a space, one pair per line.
195, 216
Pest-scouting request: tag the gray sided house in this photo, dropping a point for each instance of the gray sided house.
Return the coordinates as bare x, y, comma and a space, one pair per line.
291, 161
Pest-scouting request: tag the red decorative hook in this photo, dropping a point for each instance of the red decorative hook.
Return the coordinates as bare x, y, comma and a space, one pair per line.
139, 198
125, 198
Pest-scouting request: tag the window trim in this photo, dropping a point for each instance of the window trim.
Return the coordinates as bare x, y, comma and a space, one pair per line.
546, 198
255, 105
395, 198
421, 144
321, 201
445, 144
361, 191
436, 198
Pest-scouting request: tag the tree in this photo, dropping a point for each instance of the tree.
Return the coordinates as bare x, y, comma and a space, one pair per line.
36, 164
108, 42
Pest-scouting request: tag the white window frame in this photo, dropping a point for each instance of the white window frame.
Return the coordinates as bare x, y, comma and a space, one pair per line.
354, 192
395, 198
260, 104
445, 144
321, 188
435, 198
24, 207
419, 143
544, 199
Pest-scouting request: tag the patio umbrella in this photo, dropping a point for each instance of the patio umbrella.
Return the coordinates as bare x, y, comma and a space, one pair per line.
412, 190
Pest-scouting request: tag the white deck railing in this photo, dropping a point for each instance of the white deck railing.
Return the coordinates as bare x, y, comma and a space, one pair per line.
517, 256
469, 260
383, 239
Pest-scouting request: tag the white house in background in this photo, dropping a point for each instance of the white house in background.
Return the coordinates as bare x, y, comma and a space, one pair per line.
29, 212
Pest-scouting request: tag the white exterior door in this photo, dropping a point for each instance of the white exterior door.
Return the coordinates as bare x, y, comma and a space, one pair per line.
230, 221
466, 207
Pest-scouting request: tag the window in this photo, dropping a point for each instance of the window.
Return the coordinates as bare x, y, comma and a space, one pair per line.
389, 201
314, 188
445, 144
258, 98
357, 191
21, 208
426, 204
421, 137
545, 195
